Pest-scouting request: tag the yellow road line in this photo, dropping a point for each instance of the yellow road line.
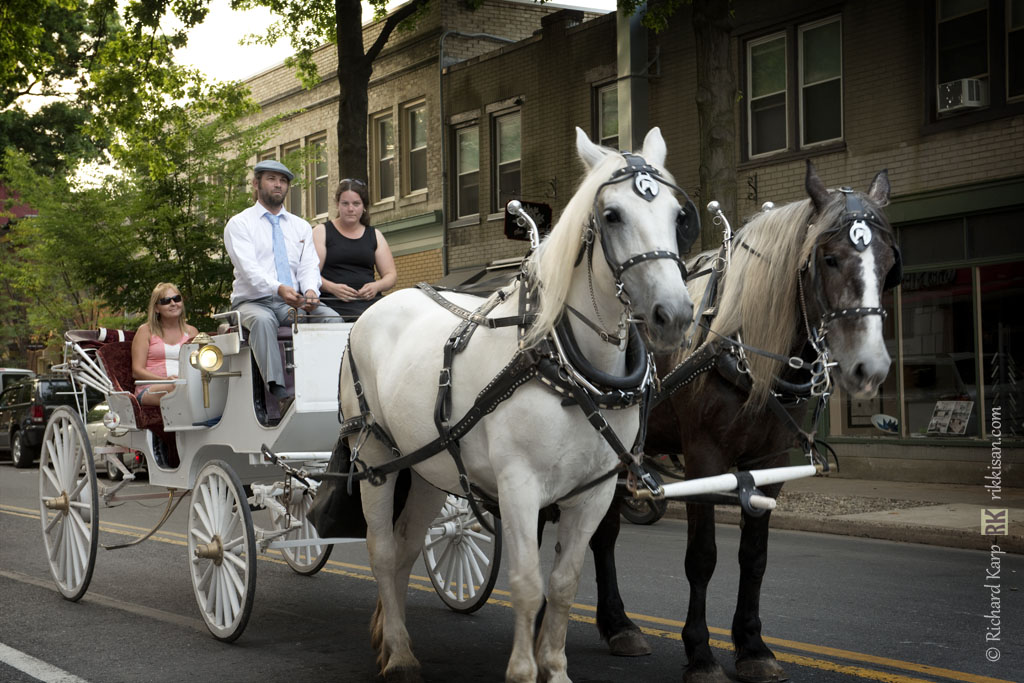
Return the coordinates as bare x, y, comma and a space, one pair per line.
363, 572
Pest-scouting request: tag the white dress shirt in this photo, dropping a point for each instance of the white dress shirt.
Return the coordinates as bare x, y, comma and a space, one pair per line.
249, 239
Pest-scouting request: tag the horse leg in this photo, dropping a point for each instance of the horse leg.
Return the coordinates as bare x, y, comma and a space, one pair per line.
576, 525
519, 534
388, 633
701, 557
755, 663
622, 635
421, 508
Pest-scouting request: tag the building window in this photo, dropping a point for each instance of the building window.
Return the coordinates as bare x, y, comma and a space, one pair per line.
320, 189
291, 155
607, 107
821, 82
814, 68
978, 48
507, 152
467, 164
1015, 49
766, 73
384, 156
415, 166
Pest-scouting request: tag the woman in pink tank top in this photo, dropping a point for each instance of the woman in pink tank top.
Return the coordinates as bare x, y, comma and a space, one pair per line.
158, 341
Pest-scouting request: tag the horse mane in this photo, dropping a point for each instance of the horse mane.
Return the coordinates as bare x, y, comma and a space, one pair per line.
551, 264
758, 294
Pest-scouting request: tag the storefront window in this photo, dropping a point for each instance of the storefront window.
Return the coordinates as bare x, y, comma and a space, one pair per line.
1002, 339
939, 381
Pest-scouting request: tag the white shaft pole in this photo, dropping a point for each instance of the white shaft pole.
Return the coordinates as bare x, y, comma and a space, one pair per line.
723, 483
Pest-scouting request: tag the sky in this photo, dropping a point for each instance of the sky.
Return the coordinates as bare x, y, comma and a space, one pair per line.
213, 46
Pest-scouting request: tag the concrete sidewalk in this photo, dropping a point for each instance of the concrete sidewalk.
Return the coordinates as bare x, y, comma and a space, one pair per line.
936, 514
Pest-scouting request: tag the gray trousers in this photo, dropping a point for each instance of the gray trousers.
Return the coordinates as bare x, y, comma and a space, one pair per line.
262, 317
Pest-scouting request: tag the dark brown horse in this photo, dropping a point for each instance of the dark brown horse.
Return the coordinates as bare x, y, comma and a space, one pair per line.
805, 279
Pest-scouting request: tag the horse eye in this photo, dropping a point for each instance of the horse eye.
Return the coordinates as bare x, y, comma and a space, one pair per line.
831, 261
612, 216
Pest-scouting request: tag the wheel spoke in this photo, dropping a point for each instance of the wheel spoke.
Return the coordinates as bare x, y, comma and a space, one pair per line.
48, 471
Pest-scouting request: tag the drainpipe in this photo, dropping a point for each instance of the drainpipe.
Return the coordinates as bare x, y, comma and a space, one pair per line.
444, 135
632, 78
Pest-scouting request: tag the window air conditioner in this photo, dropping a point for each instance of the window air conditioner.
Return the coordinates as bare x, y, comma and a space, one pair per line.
963, 93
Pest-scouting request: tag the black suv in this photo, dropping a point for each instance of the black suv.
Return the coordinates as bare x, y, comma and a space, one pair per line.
24, 410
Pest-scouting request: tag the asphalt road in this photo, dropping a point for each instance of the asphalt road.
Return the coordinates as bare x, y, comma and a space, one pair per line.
835, 610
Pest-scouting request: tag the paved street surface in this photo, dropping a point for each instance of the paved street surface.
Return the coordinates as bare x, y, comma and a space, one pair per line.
835, 609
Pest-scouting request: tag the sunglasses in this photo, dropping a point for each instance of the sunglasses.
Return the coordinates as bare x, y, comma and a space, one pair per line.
163, 301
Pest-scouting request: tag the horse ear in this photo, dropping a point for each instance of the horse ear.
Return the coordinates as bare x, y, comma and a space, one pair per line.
654, 151
816, 189
879, 190
590, 153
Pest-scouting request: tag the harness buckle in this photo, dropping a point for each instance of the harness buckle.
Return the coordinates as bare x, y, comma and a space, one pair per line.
445, 379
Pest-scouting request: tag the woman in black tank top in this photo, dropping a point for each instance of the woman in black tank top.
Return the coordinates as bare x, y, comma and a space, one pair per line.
349, 250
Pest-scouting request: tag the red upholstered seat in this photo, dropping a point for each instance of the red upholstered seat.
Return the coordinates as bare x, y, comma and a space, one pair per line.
117, 361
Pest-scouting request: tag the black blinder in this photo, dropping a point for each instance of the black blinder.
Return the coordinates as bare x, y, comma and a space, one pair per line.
895, 274
687, 227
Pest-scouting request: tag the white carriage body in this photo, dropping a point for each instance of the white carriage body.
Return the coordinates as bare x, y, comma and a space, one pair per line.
228, 426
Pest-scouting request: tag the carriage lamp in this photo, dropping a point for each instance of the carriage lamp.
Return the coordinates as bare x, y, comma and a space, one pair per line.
208, 359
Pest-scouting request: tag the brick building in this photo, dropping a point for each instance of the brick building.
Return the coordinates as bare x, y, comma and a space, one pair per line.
933, 94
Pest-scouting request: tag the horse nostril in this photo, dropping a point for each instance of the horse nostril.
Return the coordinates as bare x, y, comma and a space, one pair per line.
660, 316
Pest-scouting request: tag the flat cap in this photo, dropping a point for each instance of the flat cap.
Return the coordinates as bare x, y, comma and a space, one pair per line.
276, 166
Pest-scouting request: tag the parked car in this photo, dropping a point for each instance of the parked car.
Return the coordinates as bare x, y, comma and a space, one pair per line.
97, 431
11, 376
24, 410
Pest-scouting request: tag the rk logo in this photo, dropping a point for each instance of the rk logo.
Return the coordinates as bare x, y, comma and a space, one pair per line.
995, 522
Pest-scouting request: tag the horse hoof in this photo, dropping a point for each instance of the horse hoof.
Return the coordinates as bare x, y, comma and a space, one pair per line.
760, 671
629, 644
712, 674
402, 675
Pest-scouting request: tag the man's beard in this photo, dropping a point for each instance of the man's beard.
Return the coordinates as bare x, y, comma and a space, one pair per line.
268, 200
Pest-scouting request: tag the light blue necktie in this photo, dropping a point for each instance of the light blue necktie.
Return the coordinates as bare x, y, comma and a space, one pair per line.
284, 271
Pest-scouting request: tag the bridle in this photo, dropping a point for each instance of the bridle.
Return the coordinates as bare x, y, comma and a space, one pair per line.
646, 183
859, 223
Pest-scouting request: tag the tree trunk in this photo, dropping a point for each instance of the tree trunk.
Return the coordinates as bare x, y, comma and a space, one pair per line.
355, 66
716, 100
354, 71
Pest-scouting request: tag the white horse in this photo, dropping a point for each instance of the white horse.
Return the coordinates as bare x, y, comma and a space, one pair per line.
613, 257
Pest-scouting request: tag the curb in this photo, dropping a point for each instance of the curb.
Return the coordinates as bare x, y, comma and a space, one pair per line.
903, 533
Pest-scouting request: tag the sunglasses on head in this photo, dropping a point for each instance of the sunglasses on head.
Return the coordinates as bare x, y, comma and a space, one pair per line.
163, 301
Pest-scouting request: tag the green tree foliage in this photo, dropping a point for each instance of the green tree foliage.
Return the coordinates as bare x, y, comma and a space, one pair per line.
46, 48
97, 247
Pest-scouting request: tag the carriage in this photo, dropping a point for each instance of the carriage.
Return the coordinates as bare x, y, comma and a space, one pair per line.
220, 438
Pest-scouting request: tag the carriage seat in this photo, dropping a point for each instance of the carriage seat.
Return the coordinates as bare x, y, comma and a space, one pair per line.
117, 360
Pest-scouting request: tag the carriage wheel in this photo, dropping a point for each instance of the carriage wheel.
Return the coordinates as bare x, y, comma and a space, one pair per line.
643, 511
304, 559
222, 550
461, 556
68, 502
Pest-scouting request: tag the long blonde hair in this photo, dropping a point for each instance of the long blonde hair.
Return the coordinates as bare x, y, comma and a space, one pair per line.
758, 294
153, 318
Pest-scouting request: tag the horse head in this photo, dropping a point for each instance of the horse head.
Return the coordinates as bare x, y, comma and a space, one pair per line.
636, 218
851, 259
